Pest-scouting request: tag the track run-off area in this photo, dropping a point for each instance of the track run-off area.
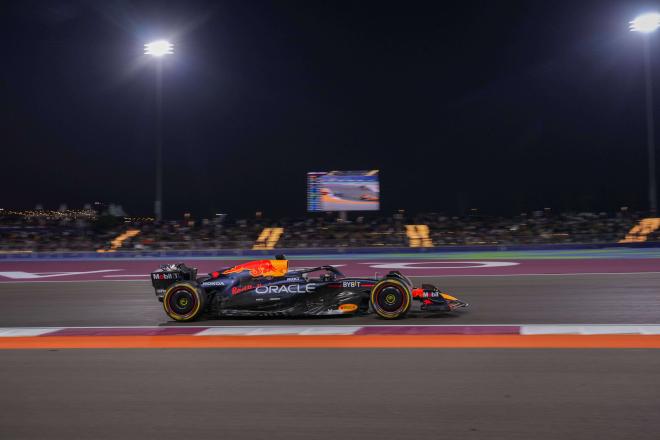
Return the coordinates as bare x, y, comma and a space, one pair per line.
555, 344
602, 261
617, 286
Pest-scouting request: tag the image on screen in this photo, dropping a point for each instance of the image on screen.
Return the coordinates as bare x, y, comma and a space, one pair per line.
343, 191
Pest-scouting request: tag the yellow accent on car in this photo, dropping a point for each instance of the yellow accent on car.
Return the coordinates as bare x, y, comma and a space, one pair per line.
280, 267
348, 308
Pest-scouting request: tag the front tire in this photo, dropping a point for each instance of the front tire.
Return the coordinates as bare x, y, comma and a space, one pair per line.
184, 302
391, 298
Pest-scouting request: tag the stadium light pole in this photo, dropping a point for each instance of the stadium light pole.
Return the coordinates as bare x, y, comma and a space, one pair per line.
647, 24
159, 49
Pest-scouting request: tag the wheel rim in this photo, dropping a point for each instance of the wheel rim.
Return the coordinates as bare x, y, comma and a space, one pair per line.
390, 298
182, 302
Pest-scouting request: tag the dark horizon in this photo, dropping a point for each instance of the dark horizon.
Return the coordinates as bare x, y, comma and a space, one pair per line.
505, 107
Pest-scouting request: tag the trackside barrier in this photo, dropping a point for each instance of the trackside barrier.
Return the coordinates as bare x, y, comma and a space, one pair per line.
211, 253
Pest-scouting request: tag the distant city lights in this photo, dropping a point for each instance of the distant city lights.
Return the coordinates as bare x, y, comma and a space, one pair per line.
48, 214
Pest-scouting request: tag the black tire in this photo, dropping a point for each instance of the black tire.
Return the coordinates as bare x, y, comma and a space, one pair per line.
391, 298
184, 301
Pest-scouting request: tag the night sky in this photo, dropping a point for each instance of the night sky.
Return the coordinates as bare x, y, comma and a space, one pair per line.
503, 106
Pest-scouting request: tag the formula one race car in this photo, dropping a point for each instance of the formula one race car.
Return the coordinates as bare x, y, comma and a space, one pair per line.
269, 288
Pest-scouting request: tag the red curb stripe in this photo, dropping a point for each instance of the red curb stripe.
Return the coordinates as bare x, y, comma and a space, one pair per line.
440, 330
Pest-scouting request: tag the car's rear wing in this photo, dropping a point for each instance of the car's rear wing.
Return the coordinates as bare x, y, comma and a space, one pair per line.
168, 274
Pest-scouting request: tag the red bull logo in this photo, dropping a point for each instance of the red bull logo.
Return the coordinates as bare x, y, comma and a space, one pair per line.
241, 289
262, 268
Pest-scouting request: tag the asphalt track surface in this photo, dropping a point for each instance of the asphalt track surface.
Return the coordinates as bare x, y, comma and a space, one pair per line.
542, 299
337, 393
330, 394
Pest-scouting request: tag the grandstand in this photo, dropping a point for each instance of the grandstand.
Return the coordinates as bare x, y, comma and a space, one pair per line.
49, 231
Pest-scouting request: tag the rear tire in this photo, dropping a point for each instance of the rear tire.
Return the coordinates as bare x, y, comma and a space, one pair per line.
184, 301
391, 298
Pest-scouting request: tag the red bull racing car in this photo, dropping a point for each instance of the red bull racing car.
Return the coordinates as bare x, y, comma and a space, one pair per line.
270, 288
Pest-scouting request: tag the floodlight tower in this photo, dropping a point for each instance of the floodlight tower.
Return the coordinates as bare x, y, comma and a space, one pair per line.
647, 24
159, 49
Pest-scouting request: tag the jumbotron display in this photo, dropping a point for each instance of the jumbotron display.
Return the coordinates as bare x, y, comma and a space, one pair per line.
343, 191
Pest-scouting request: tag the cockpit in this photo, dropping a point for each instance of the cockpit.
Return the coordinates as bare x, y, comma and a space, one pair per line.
279, 268
320, 274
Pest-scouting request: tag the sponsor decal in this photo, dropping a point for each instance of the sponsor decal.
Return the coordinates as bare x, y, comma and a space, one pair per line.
237, 290
345, 308
262, 268
291, 288
214, 283
430, 294
350, 284
165, 276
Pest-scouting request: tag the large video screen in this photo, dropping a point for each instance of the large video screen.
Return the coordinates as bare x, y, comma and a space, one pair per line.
343, 191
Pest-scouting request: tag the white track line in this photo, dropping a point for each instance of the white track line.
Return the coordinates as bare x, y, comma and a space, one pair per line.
590, 329
26, 331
